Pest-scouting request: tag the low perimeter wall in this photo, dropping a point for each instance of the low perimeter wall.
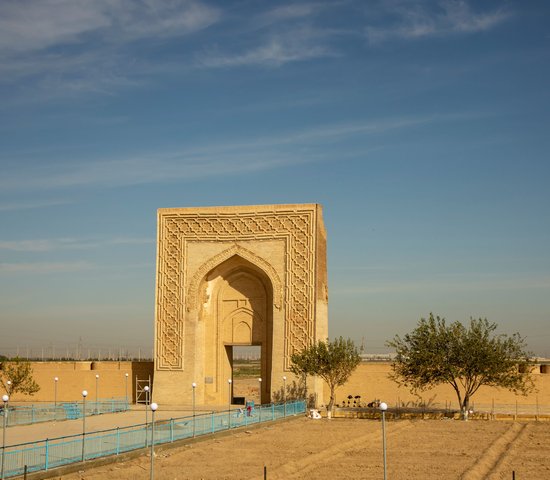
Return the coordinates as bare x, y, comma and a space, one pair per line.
77, 376
371, 381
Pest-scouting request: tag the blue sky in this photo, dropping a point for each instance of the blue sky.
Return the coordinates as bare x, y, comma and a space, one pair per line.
421, 127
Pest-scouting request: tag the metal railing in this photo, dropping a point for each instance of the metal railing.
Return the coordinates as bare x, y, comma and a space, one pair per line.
449, 409
55, 452
26, 415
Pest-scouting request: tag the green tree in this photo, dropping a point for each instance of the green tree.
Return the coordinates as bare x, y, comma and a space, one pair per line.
464, 357
333, 361
19, 373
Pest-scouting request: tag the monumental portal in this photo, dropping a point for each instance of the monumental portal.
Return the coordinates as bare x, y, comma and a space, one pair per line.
236, 276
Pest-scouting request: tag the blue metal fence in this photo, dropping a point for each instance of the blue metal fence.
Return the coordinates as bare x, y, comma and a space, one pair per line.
25, 415
51, 453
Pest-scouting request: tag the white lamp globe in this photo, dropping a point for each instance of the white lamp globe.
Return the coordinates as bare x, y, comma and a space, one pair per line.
84, 393
5, 398
154, 407
383, 406
194, 385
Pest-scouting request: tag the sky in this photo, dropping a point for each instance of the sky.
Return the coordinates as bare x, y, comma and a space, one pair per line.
421, 127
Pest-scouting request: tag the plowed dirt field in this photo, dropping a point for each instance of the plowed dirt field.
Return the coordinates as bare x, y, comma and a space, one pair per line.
352, 449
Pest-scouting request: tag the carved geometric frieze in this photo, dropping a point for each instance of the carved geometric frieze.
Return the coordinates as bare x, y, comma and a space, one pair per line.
175, 292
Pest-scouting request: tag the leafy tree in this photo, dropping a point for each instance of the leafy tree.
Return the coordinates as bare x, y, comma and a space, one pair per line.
333, 361
19, 373
466, 358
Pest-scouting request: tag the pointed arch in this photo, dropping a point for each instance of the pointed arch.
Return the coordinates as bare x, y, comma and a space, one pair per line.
235, 250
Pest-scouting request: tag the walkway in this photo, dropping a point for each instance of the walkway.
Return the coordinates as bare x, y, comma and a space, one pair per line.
40, 431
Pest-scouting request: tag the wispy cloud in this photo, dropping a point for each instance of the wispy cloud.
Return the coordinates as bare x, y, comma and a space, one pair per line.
412, 20
290, 12
83, 44
298, 44
31, 205
31, 25
476, 283
45, 267
46, 245
229, 158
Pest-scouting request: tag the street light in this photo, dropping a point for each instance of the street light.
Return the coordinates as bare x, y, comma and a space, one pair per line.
126, 388
154, 407
260, 406
194, 385
260, 388
96, 392
5, 399
84, 395
55, 380
229, 381
383, 407
146, 390
284, 393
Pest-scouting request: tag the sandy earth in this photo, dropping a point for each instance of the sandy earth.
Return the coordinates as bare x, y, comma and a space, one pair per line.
352, 449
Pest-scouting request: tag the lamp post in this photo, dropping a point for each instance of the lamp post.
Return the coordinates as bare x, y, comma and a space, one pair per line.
260, 389
194, 385
97, 392
154, 407
55, 380
126, 388
260, 405
84, 395
229, 382
146, 390
284, 393
383, 407
5, 399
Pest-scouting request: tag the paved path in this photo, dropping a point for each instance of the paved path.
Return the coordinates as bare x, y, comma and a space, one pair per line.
40, 431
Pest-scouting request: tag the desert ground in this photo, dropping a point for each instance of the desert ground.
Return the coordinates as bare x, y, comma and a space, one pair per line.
352, 449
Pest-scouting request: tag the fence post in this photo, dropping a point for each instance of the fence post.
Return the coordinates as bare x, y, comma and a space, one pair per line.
272, 411
32, 413
46, 461
212, 418
117, 440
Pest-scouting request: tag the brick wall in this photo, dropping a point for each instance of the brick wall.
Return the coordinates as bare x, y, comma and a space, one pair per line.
77, 376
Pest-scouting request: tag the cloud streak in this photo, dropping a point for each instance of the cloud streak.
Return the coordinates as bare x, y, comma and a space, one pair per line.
79, 45
414, 21
475, 283
235, 158
30, 25
45, 267
47, 245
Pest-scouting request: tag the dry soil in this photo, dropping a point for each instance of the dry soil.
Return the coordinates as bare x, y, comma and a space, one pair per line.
352, 449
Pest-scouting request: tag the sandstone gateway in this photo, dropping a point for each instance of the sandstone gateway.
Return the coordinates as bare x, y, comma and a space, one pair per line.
233, 276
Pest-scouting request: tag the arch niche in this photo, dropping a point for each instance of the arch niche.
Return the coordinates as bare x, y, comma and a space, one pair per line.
236, 310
